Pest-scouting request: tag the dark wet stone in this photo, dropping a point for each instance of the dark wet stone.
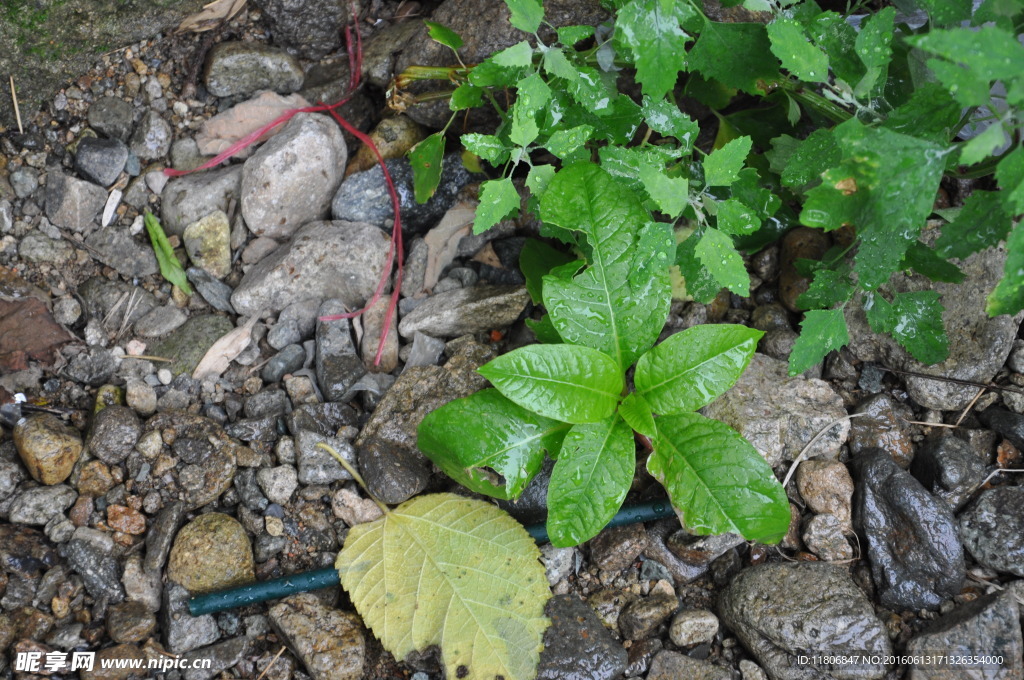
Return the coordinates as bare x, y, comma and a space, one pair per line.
100, 160
910, 536
254, 429
948, 468
99, 570
249, 490
1006, 423
642, 617
317, 466
577, 646
221, 656
392, 473
883, 428
310, 28
641, 653
216, 293
669, 665
338, 365
182, 631
160, 536
288, 360
130, 622
532, 505
325, 418
93, 367
115, 431
268, 402
615, 549
781, 611
25, 552
993, 529
112, 117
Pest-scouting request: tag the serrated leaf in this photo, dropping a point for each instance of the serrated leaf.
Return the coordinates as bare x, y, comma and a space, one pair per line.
738, 55
736, 219
489, 73
915, 321
752, 191
498, 199
981, 146
637, 413
717, 253
810, 158
425, 159
722, 166
526, 15
947, 12
874, 42
570, 35
466, 96
488, 147
483, 574
627, 163
960, 82
520, 54
619, 304
989, 52
718, 483
590, 91
692, 368
926, 261
821, 331
489, 444
565, 142
650, 30
590, 479
1010, 175
670, 194
170, 267
557, 65
538, 178
567, 382
537, 259
701, 285
981, 223
665, 118
931, 113
828, 288
444, 35
831, 32
1008, 296
798, 56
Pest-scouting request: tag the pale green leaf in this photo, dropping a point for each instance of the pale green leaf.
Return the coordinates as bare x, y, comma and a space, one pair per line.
488, 147
526, 15
567, 141
650, 30
170, 267
717, 253
637, 413
520, 54
1010, 175
498, 199
556, 64
722, 166
443, 35
665, 118
425, 159
670, 194
736, 219
982, 146
570, 35
820, 332
989, 52
798, 56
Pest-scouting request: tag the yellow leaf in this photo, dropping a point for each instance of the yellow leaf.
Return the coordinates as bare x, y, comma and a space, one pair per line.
211, 15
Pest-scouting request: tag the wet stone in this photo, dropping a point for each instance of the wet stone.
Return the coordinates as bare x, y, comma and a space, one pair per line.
640, 655
242, 68
115, 431
130, 622
182, 631
329, 642
992, 529
884, 427
189, 342
826, 487
317, 466
98, 568
221, 656
465, 311
288, 360
73, 203
642, 617
100, 160
210, 553
161, 535
693, 627
48, 447
949, 469
112, 117
36, 506
576, 645
616, 548
338, 365
152, 137
824, 536
673, 665
24, 552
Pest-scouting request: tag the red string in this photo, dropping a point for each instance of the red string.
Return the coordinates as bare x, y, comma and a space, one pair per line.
396, 255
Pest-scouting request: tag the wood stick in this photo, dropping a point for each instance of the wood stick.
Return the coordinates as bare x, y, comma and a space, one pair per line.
17, 111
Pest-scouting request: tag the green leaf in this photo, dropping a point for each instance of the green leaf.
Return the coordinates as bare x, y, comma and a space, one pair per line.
701, 285
810, 159
556, 64
590, 479
489, 73
671, 194
466, 96
526, 14
916, 323
590, 91
1010, 175
820, 332
722, 166
544, 330
570, 35
619, 304
498, 199
170, 267
964, 87
565, 142
926, 261
828, 288
831, 32
538, 178
717, 481
990, 53
425, 159
874, 47
665, 118
443, 35
566, 382
737, 55
756, 194
931, 113
520, 54
947, 12
981, 223
1008, 296
798, 56
537, 259
489, 444
736, 219
692, 368
649, 29
719, 255
488, 147
483, 574
637, 413
981, 147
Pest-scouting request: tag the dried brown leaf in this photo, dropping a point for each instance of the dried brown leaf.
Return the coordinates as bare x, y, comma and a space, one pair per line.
443, 241
224, 129
223, 352
211, 15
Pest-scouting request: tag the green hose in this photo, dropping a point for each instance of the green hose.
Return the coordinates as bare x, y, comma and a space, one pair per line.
325, 578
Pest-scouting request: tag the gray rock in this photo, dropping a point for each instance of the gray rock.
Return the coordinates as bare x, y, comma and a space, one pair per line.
558, 562
73, 203
115, 431
826, 487
249, 491
93, 367
130, 622
978, 344
329, 642
288, 360
141, 396
640, 655
295, 323
216, 293
243, 68
779, 415
268, 402
642, 617
992, 529
364, 197
185, 154
310, 28
207, 242
221, 657
190, 198
885, 427
948, 468
152, 137
465, 311
616, 548
11, 474
317, 466
182, 631
780, 611
160, 321
100, 160
673, 665
909, 535
37, 505
325, 419
190, 341
116, 248
25, 181
693, 627
988, 626
576, 645
98, 568
308, 266
6, 216
426, 351
115, 302
824, 536
278, 483
111, 117
38, 247
290, 181
338, 365
160, 536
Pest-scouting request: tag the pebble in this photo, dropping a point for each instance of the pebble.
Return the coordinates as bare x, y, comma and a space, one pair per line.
115, 247
210, 553
576, 645
243, 68
278, 483
115, 431
130, 622
183, 632
615, 549
885, 427
693, 627
98, 568
992, 529
558, 562
188, 343
641, 618
112, 117
826, 487
160, 321
295, 323
152, 137
25, 181
288, 360
317, 466
190, 198
338, 366
465, 311
94, 367
37, 505
669, 665
140, 585
100, 160
73, 203
207, 242
160, 537
113, 655
48, 447
141, 397
127, 520
948, 468
330, 643
824, 536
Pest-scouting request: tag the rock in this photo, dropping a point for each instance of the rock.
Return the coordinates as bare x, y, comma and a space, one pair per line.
909, 535
38, 247
100, 160
290, 181
295, 323
24, 181
978, 344
826, 487
210, 553
673, 665
152, 137
242, 68
161, 535
948, 468
278, 483
94, 367
308, 265
389, 461
98, 568
329, 642
106, 665
130, 622
221, 657
113, 302
394, 137
558, 562
466, 310
115, 431
641, 617
884, 427
116, 248
288, 360
576, 645
48, 447
160, 321
986, 627
797, 244
824, 536
640, 655
317, 466
25, 553
338, 366
141, 397
364, 197
111, 117
190, 198
311, 28
189, 343
37, 505
1006, 423
779, 415
374, 320
616, 548
126, 520
73, 203
992, 529
780, 611
693, 627
182, 631
207, 242
426, 351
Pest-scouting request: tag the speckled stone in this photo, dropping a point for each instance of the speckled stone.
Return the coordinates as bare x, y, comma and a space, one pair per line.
48, 447
329, 642
211, 552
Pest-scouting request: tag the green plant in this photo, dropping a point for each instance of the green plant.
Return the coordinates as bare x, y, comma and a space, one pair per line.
817, 122
570, 398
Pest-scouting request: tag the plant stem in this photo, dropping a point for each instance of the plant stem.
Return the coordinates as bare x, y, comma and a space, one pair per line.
355, 475
816, 102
